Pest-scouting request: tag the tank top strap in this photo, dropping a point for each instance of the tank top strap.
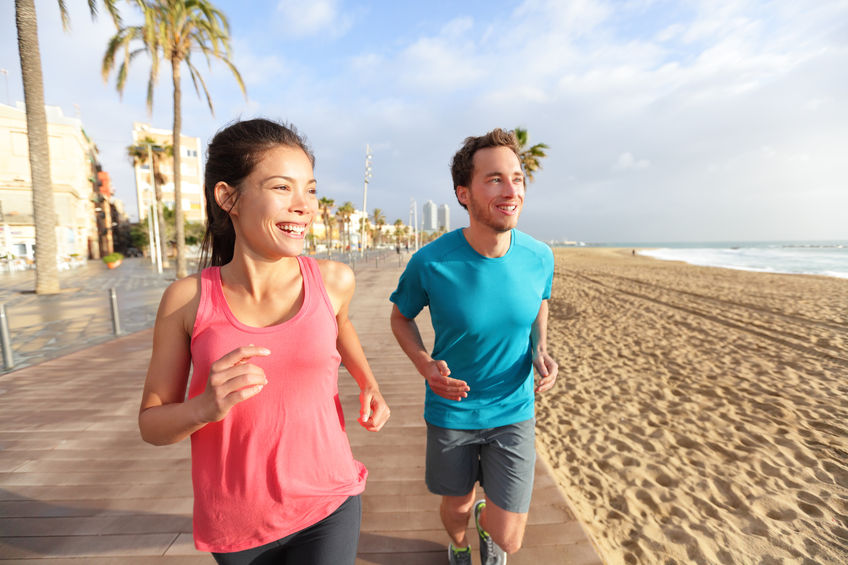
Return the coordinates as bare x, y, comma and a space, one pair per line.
209, 303
315, 282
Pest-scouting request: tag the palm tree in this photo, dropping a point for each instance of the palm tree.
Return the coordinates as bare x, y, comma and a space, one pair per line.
326, 206
399, 231
138, 154
43, 204
344, 213
172, 29
379, 222
529, 156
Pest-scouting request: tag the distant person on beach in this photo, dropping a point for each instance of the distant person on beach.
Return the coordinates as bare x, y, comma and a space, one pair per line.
264, 329
487, 288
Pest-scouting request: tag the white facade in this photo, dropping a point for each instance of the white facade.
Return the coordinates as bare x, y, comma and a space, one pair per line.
71, 177
444, 217
429, 219
193, 202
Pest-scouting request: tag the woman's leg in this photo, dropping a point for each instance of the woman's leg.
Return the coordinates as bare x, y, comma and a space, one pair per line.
332, 541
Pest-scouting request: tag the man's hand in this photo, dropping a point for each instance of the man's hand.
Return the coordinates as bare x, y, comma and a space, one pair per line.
547, 369
438, 378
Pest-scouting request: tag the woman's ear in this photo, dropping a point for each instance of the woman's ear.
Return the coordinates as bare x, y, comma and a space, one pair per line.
225, 196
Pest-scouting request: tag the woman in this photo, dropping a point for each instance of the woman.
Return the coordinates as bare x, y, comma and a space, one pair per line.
265, 329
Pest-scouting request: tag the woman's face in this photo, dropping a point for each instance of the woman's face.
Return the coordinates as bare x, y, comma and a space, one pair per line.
276, 204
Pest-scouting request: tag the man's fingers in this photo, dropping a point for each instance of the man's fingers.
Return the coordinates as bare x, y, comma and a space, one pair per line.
444, 370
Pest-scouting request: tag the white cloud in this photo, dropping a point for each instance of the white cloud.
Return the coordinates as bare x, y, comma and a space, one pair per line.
303, 19
627, 162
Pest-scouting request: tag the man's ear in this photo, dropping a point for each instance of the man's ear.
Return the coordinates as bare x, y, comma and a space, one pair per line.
462, 194
225, 196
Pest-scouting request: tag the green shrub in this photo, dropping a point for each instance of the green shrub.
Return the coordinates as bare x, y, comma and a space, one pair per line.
112, 257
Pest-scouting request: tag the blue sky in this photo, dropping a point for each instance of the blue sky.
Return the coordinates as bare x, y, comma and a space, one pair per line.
666, 121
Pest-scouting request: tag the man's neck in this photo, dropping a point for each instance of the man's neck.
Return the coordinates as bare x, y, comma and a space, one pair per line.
488, 242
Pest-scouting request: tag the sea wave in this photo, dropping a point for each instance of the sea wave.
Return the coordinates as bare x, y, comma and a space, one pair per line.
808, 259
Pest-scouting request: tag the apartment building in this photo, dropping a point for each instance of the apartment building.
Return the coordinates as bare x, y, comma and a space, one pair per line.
72, 158
191, 165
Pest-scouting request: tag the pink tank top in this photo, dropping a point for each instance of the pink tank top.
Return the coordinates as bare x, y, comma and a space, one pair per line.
279, 461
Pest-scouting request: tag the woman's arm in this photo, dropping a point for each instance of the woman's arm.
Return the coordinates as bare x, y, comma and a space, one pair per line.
341, 283
165, 417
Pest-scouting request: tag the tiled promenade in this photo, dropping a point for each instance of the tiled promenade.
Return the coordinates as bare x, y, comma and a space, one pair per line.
78, 486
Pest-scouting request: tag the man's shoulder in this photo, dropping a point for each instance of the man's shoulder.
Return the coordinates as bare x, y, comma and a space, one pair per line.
441, 247
529, 243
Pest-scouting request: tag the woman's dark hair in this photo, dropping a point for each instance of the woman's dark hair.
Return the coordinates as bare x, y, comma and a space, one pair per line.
230, 157
462, 164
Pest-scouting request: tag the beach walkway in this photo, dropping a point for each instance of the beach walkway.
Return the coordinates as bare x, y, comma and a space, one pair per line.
77, 484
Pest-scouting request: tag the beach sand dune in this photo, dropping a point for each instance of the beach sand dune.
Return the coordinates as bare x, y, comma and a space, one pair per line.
702, 414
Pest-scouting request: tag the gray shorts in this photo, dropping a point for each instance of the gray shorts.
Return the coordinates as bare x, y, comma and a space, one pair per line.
504, 457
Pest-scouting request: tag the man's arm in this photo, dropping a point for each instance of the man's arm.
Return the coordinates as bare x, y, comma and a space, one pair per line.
435, 371
542, 362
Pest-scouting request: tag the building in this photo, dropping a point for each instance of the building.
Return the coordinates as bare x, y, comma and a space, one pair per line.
429, 219
72, 158
444, 218
193, 202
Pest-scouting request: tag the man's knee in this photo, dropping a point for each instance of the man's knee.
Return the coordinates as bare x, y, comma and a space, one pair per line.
458, 505
509, 543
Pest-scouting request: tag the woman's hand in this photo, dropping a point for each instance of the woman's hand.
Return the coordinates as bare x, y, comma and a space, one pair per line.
373, 411
232, 379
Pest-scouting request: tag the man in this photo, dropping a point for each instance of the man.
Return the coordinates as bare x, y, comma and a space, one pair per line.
487, 288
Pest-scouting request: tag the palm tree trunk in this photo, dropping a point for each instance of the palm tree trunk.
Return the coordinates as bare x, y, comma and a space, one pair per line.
160, 216
43, 203
182, 271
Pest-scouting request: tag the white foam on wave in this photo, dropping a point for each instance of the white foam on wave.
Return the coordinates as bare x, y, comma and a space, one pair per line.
832, 262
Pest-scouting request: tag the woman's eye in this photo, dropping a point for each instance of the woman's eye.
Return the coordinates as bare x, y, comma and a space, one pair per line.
281, 187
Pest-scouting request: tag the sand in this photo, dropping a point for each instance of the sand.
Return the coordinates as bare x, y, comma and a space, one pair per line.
701, 414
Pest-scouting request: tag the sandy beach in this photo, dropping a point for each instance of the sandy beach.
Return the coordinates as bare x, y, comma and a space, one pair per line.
702, 413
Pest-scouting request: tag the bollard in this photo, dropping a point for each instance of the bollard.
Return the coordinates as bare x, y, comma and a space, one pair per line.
116, 318
8, 360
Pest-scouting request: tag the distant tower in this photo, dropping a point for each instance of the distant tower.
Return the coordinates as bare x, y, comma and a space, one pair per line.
444, 217
429, 224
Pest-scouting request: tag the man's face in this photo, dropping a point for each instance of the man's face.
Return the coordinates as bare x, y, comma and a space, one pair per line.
496, 194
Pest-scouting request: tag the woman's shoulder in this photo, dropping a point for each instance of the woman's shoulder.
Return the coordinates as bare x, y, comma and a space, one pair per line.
339, 279
335, 273
181, 293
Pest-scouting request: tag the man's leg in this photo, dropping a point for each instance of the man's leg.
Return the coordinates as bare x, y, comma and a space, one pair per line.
452, 467
505, 527
455, 512
508, 460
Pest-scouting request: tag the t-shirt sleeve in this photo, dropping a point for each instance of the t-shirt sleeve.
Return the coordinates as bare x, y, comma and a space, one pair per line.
410, 296
549, 272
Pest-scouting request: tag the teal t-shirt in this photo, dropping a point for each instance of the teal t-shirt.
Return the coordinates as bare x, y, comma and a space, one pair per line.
482, 311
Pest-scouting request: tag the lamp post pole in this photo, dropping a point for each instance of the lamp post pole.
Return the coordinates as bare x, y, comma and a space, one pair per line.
153, 207
365, 200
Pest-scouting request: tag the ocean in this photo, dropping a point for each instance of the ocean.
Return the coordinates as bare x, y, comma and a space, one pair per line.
828, 258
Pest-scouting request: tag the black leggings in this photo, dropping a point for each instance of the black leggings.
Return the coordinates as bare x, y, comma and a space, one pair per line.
332, 541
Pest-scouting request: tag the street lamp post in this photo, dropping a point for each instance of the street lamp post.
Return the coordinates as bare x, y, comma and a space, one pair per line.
365, 199
156, 234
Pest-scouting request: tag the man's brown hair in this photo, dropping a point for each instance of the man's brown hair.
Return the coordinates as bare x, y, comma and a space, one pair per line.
462, 164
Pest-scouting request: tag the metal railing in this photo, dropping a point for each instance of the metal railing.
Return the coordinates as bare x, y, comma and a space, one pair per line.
129, 320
